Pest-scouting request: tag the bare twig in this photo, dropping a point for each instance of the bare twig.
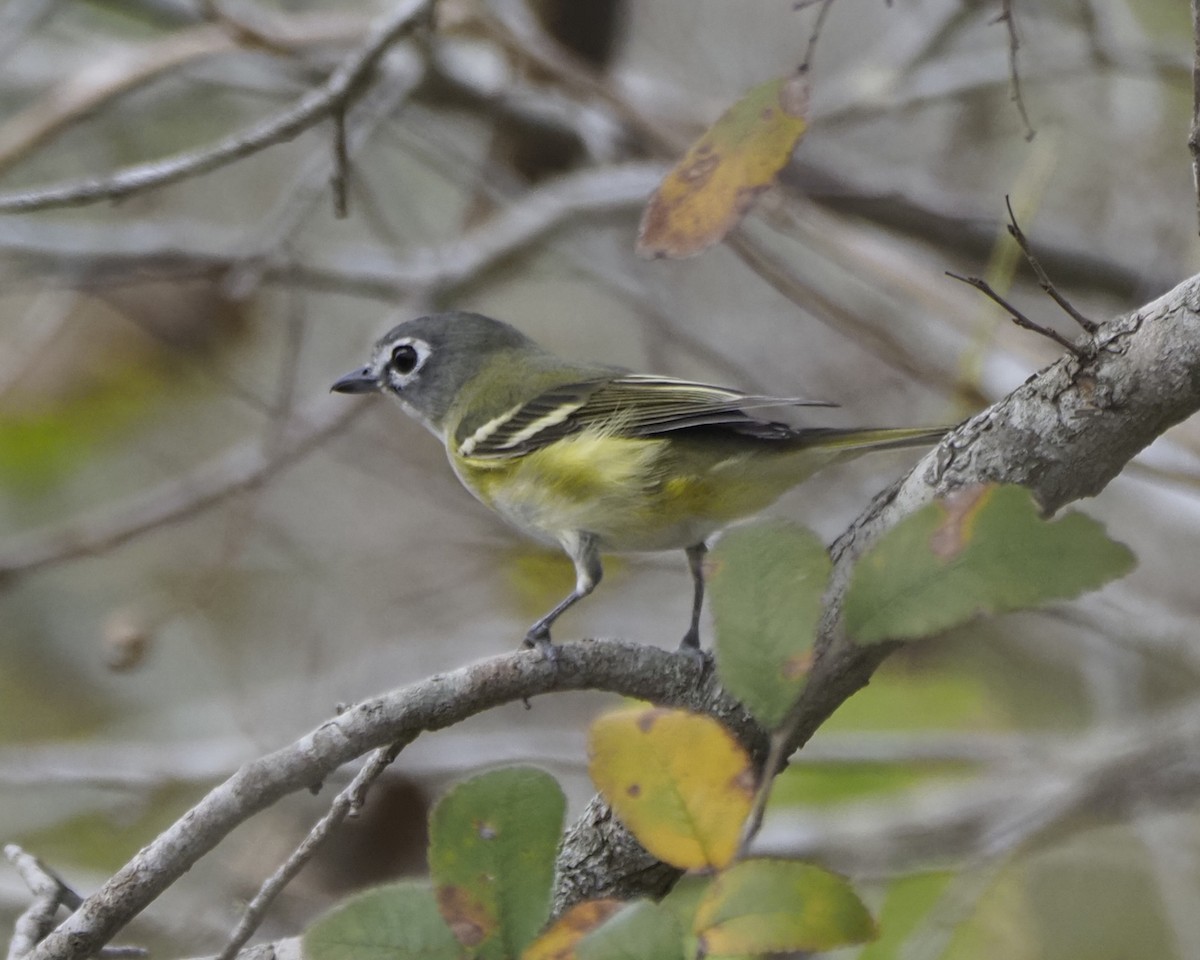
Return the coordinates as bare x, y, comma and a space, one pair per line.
814, 34
370, 271
1014, 73
1015, 231
777, 753
242, 468
49, 893
341, 165
262, 246
343, 84
244, 30
1017, 316
84, 92
347, 803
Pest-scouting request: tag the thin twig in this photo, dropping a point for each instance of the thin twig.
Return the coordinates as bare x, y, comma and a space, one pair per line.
1015, 231
776, 759
87, 91
242, 30
1017, 316
314, 106
189, 249
345, 804
241, 468
1014, 73
49, 891
814, 34
261, 248
341, 165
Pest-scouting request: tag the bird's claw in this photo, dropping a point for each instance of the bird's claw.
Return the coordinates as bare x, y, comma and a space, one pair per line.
539, 640
690, 647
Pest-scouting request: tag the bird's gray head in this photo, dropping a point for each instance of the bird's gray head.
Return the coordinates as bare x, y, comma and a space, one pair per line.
424, 363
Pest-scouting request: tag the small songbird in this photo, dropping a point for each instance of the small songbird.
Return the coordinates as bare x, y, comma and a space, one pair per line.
596, 458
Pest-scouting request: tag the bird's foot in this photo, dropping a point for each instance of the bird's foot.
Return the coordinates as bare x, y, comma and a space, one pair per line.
690, 647
538, 638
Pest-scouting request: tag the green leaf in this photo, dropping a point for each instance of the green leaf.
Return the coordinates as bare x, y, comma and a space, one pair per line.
982, 550
778, 906
491, 855
766, 583
396, 922
684, 900
641, 931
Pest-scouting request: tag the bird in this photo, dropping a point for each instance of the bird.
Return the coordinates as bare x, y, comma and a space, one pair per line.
596, 458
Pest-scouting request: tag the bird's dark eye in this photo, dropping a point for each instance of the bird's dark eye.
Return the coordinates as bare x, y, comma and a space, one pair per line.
404, 358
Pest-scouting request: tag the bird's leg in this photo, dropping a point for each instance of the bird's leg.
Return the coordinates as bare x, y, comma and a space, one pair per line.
695, 556
585, 554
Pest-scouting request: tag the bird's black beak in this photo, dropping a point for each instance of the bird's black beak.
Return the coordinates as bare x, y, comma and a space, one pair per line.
360, 381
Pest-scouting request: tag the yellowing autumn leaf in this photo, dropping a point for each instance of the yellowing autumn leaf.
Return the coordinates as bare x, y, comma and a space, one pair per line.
558, 941
708, 191
678, 780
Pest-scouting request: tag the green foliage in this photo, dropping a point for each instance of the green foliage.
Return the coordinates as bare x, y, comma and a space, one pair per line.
982, 550
766, 581
776, 906
400, 920
492, 845
642, 929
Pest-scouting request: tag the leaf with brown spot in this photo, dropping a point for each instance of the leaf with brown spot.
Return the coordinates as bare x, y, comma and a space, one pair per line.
678, 780
960, 511
983, 550
557, 942
468, 918
739, 156
493, 840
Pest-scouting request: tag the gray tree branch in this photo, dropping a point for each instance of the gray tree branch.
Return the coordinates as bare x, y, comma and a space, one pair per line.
1064, 434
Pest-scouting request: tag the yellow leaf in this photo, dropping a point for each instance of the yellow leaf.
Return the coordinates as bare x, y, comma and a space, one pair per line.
708, 191
557, 942
679, 781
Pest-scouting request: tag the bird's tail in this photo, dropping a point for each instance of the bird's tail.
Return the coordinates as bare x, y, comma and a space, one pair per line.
860, 439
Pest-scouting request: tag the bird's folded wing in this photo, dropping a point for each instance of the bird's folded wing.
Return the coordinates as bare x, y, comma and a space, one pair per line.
632, 405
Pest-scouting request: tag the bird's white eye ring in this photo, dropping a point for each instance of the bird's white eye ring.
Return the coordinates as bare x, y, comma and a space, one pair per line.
404, 358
